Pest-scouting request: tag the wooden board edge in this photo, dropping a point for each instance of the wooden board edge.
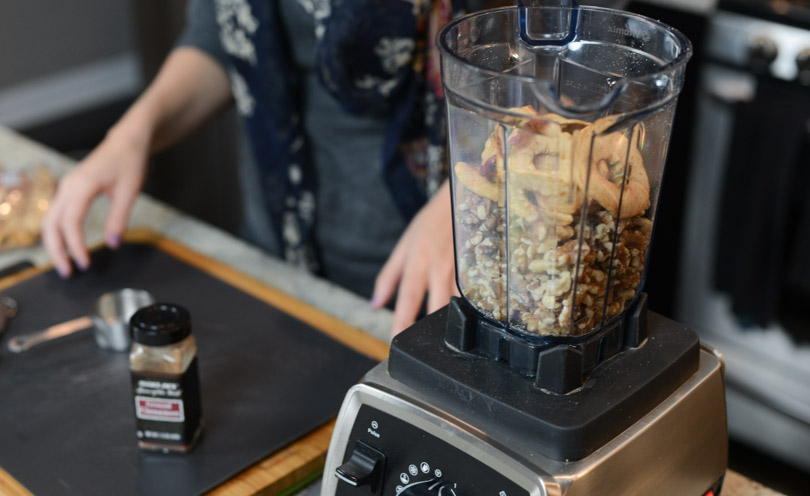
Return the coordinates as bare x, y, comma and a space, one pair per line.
10, 487
13, 279
331, 326
276, 473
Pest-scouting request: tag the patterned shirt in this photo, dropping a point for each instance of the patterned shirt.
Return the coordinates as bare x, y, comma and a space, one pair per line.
367, 71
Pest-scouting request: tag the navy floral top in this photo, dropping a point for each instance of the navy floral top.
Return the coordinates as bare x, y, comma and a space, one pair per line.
369, 54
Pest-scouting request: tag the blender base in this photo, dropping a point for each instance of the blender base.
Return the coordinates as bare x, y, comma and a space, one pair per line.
434, 432
616, 393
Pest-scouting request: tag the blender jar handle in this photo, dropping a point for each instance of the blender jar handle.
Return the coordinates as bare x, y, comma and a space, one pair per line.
527, 38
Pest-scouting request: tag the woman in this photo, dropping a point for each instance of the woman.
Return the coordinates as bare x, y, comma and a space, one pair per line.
341, 104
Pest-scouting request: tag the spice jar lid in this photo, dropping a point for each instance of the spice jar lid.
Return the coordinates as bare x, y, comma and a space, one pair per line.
160, 324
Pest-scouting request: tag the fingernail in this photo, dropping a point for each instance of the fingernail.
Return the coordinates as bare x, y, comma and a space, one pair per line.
63, 272
81, 265
114, 241
374, 303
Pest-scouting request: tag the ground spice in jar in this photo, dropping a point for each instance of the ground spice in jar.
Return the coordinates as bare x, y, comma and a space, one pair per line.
165, 379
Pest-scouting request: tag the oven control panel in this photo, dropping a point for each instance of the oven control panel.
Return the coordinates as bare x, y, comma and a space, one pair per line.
389, 457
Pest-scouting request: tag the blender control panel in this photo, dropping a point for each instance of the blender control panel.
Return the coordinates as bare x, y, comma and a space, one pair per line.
389, 457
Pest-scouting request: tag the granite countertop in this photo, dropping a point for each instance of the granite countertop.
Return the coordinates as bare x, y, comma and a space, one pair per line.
19, 153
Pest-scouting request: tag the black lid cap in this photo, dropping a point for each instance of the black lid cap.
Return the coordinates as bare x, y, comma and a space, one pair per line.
160, 324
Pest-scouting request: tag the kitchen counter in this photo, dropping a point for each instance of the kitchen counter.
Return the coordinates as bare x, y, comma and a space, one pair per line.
18, 153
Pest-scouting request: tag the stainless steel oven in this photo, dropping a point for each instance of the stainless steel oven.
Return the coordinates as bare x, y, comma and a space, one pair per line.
757, 60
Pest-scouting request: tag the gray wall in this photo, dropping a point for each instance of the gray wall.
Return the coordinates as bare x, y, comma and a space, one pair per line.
43, 37
60, 59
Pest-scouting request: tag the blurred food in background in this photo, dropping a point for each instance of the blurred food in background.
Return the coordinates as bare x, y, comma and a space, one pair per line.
24, 199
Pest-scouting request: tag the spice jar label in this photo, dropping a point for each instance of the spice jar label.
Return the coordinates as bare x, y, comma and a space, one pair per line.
167, 407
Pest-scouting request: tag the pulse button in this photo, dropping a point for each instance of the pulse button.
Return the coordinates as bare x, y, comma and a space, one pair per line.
364, 468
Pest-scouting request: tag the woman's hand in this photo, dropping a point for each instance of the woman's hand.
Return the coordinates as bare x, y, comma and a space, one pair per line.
190, 87
422, 261
116, 168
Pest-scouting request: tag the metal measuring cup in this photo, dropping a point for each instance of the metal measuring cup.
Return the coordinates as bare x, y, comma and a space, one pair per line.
111, 316
109, 319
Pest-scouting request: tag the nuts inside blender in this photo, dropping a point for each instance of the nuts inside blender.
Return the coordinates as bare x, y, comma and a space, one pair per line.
551, 233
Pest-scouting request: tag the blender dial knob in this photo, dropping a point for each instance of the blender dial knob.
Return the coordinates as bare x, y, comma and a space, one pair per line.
761, 52
803, 65
364, 467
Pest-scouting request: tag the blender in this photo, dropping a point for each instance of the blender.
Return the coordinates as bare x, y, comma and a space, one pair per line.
548, 376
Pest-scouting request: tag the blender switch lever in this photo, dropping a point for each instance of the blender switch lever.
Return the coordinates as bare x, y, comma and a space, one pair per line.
364, 467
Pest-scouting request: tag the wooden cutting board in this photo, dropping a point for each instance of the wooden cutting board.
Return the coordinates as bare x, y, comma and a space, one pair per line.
299, 461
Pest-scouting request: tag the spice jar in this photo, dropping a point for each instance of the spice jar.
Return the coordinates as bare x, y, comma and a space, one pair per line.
165, 379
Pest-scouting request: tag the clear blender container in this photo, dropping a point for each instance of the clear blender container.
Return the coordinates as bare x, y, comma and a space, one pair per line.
559, 122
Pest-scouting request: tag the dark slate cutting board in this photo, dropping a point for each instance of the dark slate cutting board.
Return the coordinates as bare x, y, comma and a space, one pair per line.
66, 408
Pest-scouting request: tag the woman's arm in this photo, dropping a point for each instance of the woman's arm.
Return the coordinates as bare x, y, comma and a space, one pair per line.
189, 88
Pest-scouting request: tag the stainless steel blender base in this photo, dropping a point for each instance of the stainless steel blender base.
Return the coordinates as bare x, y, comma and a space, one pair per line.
678, 448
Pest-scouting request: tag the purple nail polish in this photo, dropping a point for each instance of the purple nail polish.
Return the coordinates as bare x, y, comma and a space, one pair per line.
374, 302
81, 265
114, 241
63, 272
